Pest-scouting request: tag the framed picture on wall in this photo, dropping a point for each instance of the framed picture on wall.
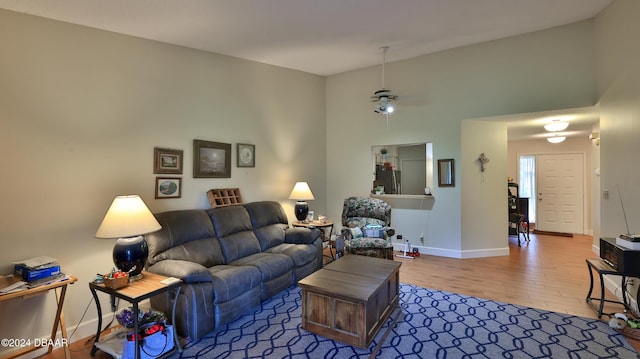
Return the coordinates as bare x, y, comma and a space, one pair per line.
446, 173
167, 161
211, 159
246, 155
168, 187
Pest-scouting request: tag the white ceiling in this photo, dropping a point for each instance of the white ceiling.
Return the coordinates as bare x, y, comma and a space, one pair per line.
322, 37
318, 36
530, 126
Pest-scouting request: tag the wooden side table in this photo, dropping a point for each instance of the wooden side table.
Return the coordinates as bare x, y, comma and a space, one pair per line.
59, 319
148, 286
323, 226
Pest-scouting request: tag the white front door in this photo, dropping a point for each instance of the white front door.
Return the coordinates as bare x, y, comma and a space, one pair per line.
560, 193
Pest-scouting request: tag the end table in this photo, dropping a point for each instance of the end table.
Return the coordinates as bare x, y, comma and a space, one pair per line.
148, 286
323, 226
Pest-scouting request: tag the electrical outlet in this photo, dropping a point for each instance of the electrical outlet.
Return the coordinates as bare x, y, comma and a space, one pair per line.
422, 238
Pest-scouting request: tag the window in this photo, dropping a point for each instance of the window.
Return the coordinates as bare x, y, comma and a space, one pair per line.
527, 181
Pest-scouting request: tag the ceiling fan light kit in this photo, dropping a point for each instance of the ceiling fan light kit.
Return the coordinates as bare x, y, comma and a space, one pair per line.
383, 97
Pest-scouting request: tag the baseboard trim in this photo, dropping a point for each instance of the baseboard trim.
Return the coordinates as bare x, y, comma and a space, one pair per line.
460, 254
559, 234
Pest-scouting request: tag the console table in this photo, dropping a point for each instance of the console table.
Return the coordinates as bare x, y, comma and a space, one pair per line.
602, 268
59, 319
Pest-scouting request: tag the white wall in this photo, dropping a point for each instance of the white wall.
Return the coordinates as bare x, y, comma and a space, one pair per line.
80, 113
540, 71
618, 84
484, 218
616, 33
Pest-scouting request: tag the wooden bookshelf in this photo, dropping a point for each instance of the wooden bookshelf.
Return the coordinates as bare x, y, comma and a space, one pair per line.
224, 197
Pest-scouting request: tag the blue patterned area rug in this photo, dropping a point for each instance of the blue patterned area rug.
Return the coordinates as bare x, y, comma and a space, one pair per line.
428, 324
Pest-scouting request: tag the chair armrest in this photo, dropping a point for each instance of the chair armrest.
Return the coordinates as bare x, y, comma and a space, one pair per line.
346, 233
300, 235
189, 272
388, 232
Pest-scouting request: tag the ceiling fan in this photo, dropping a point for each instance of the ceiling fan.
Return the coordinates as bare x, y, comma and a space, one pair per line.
383, 97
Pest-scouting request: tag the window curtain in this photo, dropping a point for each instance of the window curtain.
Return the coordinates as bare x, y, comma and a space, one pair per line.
527, 181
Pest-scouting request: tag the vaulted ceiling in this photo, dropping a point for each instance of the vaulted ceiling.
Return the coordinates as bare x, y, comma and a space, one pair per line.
318, 36
322, 37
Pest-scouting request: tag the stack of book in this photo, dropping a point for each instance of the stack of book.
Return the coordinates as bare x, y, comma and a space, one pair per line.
631, 241
38, 271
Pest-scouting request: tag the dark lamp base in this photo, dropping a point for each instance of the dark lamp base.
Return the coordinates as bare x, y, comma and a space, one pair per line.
301, 210
130, 255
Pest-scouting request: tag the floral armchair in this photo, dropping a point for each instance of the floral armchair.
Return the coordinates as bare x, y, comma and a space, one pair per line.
366, 227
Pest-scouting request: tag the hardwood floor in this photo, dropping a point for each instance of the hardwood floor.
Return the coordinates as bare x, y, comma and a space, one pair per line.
549, 272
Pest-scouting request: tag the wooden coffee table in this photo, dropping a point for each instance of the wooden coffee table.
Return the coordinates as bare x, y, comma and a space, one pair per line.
350, 299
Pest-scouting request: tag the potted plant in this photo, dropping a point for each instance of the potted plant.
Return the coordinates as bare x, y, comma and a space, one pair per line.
383, 152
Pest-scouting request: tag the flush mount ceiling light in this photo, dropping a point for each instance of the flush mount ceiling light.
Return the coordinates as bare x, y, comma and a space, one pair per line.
383, 97
556, 139
556, 125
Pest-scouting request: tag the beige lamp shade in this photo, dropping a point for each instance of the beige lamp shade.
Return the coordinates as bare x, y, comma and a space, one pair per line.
128, 216
301, 192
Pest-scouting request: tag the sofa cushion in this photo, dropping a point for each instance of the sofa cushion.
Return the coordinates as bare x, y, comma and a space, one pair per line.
232, 281
269, 222
185, 235
301, 254
235, 233
271, 265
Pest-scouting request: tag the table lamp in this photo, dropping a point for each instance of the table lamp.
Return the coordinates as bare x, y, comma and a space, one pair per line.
301, 193
129, 219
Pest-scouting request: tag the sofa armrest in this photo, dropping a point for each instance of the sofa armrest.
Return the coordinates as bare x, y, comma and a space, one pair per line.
189, 272
300, 235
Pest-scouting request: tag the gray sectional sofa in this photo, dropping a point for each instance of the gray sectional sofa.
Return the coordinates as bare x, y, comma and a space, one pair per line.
230, 259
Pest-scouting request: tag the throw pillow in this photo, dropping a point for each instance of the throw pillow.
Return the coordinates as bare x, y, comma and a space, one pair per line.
356, 232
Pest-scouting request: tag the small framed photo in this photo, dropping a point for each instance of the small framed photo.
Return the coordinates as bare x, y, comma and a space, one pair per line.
211, 159
168, 187
167, 161
246, 155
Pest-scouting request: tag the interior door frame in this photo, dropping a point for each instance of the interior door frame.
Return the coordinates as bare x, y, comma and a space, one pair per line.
585, 192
